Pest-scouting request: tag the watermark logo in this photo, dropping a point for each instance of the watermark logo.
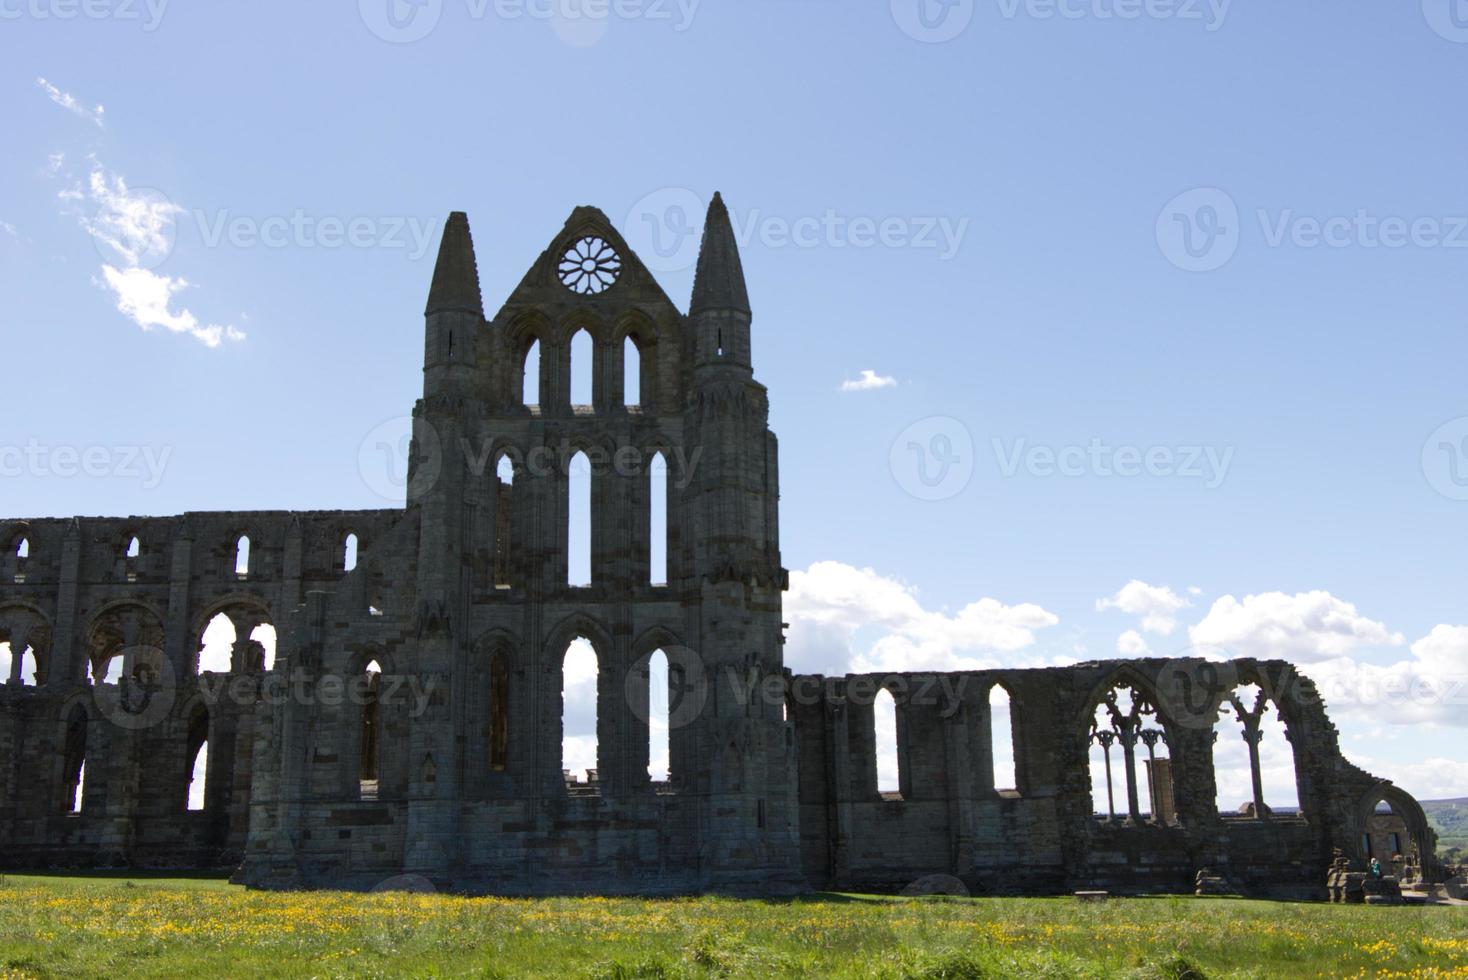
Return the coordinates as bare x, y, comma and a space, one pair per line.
663, 228
933, 21
680, 701
1449, 18
144, 695
148, 13
387, 463
144, 464
400, 21
1210, 13
299, 229
1208, 464
933, 459
132, 226
1198, 231
579, 23
1445, 459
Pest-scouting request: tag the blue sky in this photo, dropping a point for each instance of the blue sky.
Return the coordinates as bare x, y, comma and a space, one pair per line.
1040, 178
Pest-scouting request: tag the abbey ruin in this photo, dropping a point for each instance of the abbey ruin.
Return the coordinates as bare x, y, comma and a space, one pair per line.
411, 719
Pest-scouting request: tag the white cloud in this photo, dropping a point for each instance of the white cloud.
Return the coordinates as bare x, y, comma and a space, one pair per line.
145, 297
1156, 606
1131, 644
9, 229
1306, 627
844, 619
136, 227
869, 381
70, 103
1429, 689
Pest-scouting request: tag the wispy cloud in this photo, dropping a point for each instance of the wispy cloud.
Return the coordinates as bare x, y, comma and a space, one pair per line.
869, 381
71, 103
134, 231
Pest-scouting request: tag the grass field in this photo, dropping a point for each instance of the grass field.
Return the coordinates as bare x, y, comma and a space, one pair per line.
115, 927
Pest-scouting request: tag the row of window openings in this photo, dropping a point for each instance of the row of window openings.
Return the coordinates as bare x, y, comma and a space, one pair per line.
76, 775
581, 370
134, 550
578, 531
1001, 741
578, 722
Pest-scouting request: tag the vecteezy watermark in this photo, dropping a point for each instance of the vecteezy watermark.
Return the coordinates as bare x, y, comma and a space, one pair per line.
936, 21
933, 21
664, 229
1449, 18
933, 459
577, 22
299, 229
1198, 231
1445, 459
145, 464
407, 691
1201, 230
148, 14
404, 457
1209, 464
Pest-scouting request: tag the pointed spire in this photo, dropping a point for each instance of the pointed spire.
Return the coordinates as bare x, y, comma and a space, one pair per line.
719, 282
456, 276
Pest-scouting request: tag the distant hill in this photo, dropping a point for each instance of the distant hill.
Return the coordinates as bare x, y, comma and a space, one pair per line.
1450, 819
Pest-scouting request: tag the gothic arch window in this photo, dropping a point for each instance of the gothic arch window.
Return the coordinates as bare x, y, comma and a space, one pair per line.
631, 372
579, 521
499, 712
1253, 758
888, 755
530, 375
349, 553
20, 558
1129, 742
196, 759
659, 718
369, 746
583, 364
580, 748
1002, 740
74, 761
657, 495
131, 553
242, 556
504, 472
18, 663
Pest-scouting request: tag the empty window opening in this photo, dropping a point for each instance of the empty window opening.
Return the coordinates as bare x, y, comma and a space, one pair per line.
578, 532
658, 519
106, 671
264, 634
884, 723
369, 760
499, 713
216, 646
582, 355
530, 376
631, 373
242, 556
74, 762
720, 351
23, 549
349, 555
1253, 760
198, 761
19, 669
659, 711
504, 507
579, 716
1001, 734
134, 548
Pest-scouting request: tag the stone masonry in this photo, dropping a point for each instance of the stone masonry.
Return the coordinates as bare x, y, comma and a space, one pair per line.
411, 721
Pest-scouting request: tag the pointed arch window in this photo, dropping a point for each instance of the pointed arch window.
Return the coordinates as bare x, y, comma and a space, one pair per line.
579, 521
242, 556
1253, 757
888, 755
197, 761
657, 493
499, 712
1129, 740
580, 746
530, 376
74, 761
503, 516
369, 753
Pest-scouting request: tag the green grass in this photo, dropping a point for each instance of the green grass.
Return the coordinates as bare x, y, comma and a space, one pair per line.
121, 927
